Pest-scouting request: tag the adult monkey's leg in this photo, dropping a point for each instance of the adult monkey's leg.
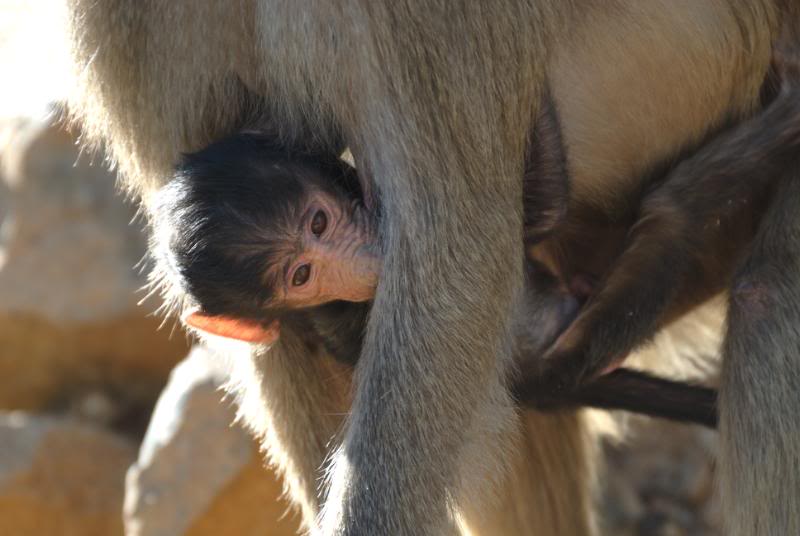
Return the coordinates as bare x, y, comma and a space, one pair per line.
445, 146
545, 485
759, 408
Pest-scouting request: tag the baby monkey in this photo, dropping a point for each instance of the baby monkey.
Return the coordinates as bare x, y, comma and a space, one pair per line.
257, 236
255, 231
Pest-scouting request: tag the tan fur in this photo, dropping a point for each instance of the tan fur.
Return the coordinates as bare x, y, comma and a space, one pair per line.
296, 426
437, 100
640, 80
540, 494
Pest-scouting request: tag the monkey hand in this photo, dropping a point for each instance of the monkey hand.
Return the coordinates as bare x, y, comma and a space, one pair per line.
572, 361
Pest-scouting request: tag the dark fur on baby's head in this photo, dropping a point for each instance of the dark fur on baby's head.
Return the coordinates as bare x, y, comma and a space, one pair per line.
225, 216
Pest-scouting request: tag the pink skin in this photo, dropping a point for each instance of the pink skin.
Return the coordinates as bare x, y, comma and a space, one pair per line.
338, 260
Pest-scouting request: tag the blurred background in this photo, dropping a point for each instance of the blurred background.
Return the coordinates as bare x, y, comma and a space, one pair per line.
83, 363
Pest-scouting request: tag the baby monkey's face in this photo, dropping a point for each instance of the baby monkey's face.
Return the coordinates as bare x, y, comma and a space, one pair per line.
311, 239
333, 254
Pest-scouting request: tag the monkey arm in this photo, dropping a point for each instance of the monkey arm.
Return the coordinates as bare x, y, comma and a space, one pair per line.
678, 228
637, 392
448, 178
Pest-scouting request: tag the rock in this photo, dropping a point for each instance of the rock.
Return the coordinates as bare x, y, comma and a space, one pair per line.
60, 477
44, 364
69, 320
66, 229
197, 474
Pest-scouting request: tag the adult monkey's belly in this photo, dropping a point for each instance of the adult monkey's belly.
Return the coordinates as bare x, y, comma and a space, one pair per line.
636, 84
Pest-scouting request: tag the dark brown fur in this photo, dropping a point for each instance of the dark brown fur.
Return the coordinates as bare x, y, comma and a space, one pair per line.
703, 213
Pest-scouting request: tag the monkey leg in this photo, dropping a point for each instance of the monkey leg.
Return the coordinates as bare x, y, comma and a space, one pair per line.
640, 392
683, 234
546, 487
759, 403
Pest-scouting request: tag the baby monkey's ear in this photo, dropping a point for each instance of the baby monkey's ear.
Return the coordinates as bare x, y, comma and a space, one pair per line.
233, 328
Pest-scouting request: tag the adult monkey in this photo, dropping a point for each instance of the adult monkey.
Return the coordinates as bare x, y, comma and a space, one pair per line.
436, 99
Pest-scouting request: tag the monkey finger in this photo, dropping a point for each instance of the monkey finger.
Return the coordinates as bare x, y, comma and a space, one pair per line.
546, 390
569, 364
552, 378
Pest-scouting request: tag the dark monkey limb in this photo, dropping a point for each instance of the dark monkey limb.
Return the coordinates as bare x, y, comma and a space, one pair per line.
639, 392
761, 360
672, 239
338, 327
544, 318
623, 389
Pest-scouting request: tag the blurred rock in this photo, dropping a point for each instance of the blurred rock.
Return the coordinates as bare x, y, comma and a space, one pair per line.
69, 320
59, 477
660, 481
197, 474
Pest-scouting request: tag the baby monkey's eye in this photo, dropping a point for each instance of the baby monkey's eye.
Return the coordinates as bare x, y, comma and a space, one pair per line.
301, 275
319, 223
